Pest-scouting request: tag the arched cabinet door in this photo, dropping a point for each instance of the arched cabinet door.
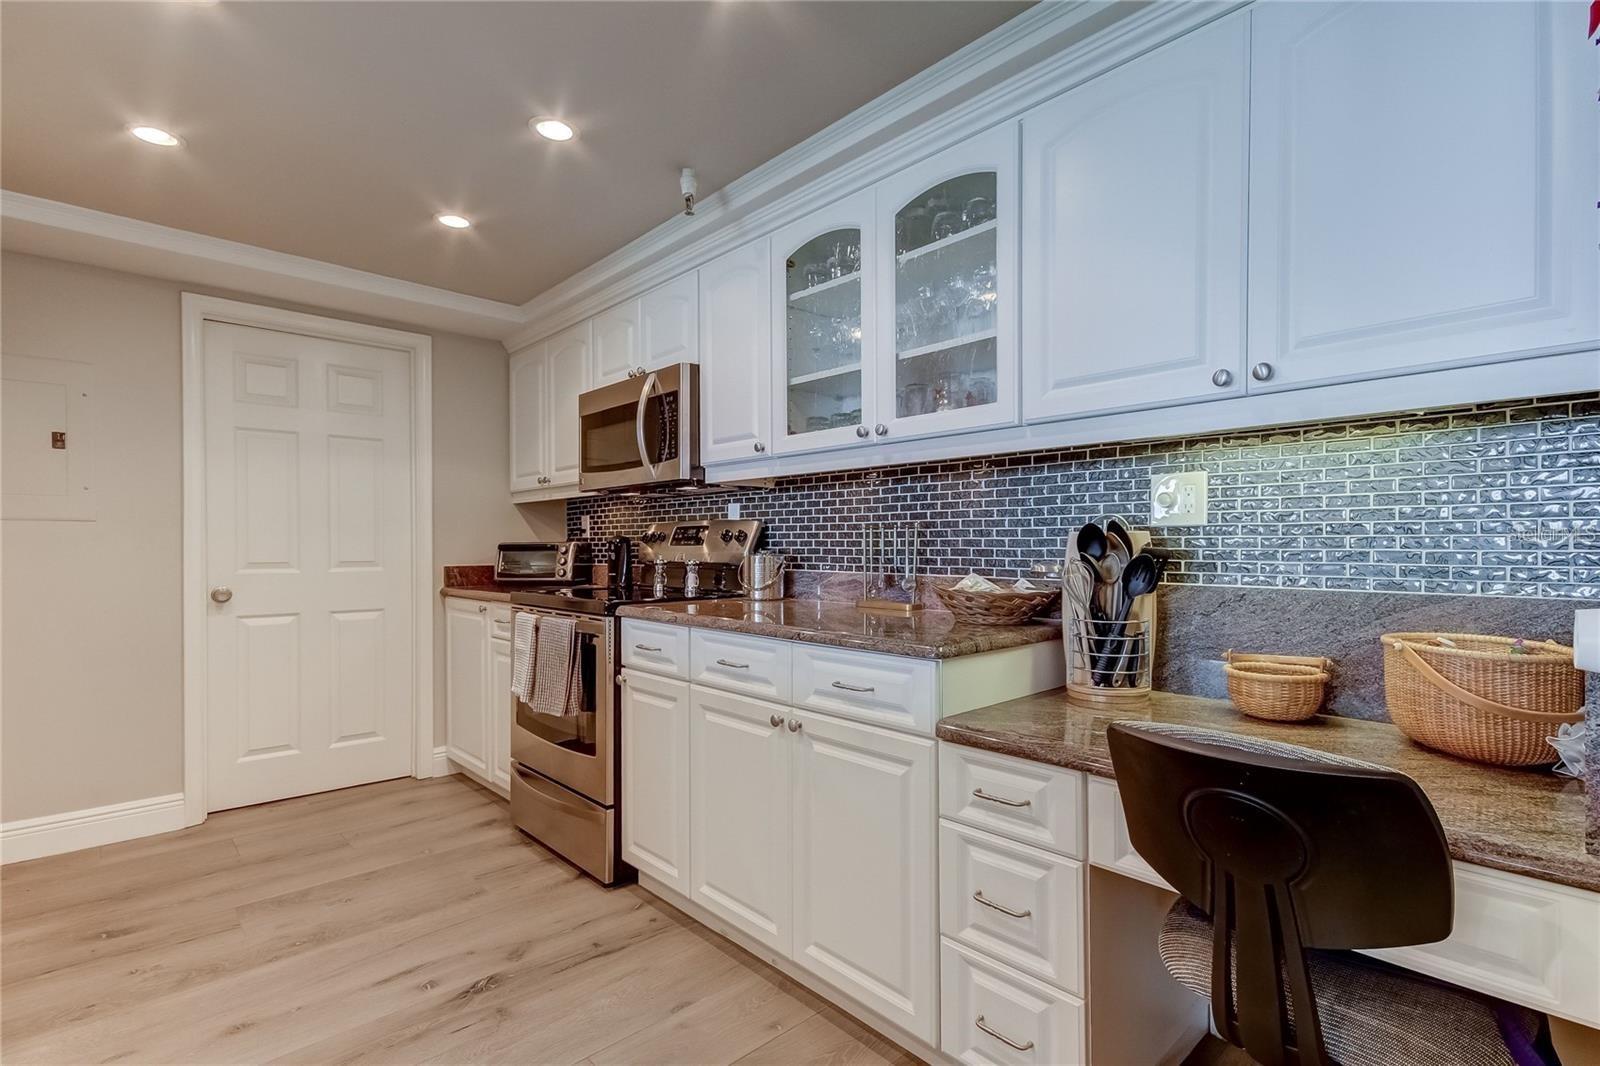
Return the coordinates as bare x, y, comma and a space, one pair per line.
947, 268
821, 328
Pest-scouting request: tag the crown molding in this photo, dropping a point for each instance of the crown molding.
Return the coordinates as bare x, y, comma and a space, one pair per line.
959, 97
80, 234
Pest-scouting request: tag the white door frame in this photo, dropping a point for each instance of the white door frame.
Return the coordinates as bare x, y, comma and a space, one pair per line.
197, 311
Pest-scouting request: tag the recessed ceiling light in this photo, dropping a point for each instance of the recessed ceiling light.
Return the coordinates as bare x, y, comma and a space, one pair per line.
154, 135
454, 221
552, 129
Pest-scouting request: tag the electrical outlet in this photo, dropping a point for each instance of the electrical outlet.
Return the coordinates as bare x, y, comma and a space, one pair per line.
1178, 499
583, 525
733, 510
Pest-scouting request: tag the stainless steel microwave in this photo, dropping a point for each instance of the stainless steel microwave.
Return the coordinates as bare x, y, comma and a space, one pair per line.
642, 433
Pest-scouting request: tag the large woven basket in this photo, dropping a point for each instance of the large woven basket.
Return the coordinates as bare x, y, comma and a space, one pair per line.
1007, 607
1470, 696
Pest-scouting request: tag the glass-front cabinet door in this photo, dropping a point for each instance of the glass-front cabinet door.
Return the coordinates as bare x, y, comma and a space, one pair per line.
823, 328
948, 239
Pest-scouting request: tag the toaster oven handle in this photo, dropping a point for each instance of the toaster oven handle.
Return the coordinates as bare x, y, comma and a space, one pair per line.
650, 385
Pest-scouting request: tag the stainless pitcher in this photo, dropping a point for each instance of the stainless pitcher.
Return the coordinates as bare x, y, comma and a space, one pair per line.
761, 575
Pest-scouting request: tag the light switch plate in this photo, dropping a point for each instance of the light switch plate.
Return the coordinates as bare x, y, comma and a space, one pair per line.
1586, 640
1178, 499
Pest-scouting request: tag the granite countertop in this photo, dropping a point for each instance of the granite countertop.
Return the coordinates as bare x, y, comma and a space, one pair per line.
1528, 822
490, 591
924, 635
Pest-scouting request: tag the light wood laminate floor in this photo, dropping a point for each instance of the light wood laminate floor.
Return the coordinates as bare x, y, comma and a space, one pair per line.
398, 922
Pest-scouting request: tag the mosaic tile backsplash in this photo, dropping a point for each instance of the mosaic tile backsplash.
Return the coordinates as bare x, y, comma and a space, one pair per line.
1499, 500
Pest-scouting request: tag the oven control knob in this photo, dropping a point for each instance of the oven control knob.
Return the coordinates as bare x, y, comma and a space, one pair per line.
561, 572
741, 536
727, 535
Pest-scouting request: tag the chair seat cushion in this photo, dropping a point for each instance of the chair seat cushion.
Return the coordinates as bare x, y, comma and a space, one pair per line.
1374, 1014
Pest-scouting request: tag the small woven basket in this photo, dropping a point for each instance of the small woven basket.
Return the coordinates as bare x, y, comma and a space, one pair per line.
1470, 696
1279, 688
1007, 607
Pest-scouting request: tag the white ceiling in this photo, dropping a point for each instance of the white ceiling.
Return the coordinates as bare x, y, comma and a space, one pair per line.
337, 131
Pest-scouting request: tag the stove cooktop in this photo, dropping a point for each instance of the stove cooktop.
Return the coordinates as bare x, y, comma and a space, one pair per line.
605, 599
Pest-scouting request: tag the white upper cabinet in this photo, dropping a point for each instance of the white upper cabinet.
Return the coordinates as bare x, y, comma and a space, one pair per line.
947, 283
822, 327
735, 355
616, 343
669, 323
1422, 187
1133, 255
530, 442
569, 355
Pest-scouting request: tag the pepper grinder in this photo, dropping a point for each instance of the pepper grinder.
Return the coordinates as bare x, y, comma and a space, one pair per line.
691, 578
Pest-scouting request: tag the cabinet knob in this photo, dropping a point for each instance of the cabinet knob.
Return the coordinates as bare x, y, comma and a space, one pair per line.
482, 609
862, 431
775, 719
880, 429
794, 725
1222, 379
1261, 371
221, 594
640, 371
760, 447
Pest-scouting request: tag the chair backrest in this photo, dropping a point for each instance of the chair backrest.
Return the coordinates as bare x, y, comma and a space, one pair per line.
1285, 849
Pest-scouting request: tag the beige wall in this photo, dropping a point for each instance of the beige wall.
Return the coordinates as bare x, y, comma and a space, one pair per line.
91, 706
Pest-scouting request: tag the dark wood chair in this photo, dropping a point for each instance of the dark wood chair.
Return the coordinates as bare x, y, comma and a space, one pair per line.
1287, 860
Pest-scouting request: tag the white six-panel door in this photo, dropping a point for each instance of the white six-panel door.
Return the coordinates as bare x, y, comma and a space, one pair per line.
1134, 252
1421, 186
308, 528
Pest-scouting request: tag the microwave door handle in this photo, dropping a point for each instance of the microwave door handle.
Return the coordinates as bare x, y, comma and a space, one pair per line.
638, 423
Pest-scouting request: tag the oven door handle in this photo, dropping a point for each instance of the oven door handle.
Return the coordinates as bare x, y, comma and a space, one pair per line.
649, 389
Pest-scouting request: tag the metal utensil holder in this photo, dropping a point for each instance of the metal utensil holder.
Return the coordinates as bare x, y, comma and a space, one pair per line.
891, 566
1108, 661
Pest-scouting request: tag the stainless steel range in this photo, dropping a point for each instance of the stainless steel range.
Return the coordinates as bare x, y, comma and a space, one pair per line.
566, 772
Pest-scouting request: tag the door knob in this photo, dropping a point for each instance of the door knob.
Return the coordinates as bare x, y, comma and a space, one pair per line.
1222, 379
221, 594
880, 429
1261, 371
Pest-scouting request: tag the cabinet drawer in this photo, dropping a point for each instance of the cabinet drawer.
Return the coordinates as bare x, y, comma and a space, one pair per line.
887, 690
500, 622
755, 666
1109, 845
1018, 904
1016, 798
658, 648
993, 1014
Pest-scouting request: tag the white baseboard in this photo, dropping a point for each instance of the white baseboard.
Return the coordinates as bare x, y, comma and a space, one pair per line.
441, 762
53, 834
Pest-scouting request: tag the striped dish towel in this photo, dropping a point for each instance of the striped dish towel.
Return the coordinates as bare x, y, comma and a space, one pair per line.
552, 667
522, 630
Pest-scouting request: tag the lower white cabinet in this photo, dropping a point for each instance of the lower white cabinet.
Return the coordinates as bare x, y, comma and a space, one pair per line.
655, 777
864, 872
478, 690
739, 804
995, 1015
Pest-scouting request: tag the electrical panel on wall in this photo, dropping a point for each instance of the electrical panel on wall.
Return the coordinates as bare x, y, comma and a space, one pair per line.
47, 435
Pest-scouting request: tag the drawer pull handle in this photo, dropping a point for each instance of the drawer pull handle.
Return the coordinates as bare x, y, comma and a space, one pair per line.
854, 688
646, 647
733, 665
1006, 1040
981, 794
979, 897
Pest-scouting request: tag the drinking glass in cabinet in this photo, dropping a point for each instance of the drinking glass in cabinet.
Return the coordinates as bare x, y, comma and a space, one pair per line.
823, 333
946, 292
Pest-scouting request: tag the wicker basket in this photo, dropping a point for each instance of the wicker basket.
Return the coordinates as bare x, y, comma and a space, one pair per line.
1007, 607
1279, 688
1471, 697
